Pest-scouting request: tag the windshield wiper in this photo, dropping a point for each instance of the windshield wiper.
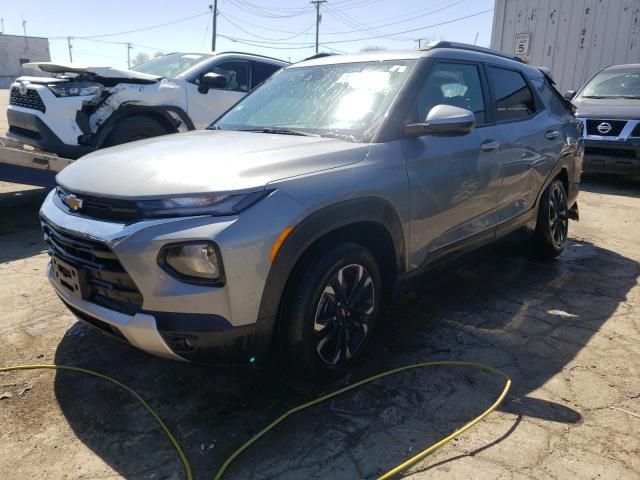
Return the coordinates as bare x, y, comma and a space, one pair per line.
279, 131
610, 96
346, 138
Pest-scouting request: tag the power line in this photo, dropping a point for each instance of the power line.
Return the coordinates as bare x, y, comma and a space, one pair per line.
136, 30
268, 45
375, 27
265, 38
264, 44
254, 10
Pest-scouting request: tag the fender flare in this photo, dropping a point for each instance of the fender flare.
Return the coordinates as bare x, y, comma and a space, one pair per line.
162, 112
320, 223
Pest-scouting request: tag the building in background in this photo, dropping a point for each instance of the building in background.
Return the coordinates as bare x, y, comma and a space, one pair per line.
573, 38
18, 49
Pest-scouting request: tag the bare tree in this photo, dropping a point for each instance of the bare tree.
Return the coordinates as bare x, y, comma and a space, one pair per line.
158, 54
140, 57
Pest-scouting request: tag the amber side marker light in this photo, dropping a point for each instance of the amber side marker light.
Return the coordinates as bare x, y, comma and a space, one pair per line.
278, 243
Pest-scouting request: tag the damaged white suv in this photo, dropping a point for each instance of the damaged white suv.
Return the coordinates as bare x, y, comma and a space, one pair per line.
81, 109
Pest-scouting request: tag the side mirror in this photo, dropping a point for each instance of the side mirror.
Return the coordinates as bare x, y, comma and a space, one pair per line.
569, 94
443, 120
212, 80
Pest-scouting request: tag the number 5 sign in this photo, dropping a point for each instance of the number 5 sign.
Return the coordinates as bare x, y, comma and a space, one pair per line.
521, 45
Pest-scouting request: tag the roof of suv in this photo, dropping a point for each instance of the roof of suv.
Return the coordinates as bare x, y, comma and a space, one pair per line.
435, 49
628, 66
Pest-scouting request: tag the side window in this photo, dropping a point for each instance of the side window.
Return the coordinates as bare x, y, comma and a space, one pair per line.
455, 84
514, 99
262, 71
236, 72
556, 104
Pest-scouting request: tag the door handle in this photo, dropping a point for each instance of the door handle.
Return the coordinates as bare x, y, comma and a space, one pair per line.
489, 146
551, 134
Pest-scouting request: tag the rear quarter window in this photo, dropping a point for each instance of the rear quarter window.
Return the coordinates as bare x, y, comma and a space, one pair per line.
552, 99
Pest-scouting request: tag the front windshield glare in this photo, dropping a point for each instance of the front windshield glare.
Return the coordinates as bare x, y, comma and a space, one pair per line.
171, 65
624, 84
342, 100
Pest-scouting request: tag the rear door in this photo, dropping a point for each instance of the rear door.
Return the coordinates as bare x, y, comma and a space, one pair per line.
204, 108
454, 180
532, 140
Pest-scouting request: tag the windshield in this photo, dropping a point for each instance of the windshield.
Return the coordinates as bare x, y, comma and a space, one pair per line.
340, 100
614, 84
171, 65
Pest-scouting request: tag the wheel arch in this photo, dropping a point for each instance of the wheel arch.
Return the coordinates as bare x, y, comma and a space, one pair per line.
162, 114
371, 222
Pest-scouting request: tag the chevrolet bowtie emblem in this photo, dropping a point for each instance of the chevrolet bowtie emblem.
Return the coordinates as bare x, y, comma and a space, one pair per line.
73, 202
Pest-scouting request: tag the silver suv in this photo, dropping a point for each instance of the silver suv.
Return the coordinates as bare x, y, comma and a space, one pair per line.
320, 195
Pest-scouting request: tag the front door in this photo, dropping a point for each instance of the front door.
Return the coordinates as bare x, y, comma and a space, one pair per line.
204, 108
454, 180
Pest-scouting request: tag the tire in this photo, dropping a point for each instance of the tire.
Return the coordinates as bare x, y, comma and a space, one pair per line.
552, 228
134, 128
325, 330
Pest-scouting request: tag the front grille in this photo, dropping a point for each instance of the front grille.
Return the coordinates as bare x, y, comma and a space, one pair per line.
610, 152
23, 132
109, 209
31, 99
616, 127
105, 281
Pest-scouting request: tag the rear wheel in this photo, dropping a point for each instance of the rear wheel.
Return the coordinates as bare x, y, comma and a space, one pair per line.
333, 309
552, 229
134, 128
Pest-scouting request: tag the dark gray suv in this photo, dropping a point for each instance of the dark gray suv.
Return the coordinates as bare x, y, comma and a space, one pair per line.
323, 193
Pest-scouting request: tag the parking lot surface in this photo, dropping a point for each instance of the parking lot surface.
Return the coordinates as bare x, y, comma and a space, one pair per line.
566, 332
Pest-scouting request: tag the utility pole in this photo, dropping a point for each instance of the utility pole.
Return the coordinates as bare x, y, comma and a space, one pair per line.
214, 9
2, 22
70, 47
419, 40
129, 47
317, 3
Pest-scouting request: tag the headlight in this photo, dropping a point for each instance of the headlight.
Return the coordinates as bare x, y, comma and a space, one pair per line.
193, 262
75, 89
199, 205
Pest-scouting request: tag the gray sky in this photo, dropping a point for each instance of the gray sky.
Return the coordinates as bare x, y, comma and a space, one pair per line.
283, 29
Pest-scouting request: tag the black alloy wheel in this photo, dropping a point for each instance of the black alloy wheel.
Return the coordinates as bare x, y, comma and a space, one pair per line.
341, 322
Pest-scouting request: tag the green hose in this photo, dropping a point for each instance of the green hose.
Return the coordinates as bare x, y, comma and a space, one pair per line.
391, 473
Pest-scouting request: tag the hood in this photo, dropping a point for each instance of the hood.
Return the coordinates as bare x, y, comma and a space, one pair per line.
204, 161
105, 72
608, 108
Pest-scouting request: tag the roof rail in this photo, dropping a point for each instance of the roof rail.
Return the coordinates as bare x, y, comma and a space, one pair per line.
472, 48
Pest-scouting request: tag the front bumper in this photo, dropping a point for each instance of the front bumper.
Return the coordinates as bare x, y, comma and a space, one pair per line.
30, 129
178, 320
140, 330
610, 156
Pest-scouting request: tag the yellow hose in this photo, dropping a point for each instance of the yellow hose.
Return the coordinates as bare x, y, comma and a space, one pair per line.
391, 473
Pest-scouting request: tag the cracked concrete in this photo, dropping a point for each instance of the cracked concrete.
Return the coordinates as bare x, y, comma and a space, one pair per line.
567, 333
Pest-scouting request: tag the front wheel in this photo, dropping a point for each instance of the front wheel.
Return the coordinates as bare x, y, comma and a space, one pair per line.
552, 229
134, 128
333, 309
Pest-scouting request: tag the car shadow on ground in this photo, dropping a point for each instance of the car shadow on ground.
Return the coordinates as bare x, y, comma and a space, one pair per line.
530, 319
20, 231
626, 185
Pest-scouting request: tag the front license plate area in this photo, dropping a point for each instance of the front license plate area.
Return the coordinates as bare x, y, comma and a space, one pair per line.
68, 276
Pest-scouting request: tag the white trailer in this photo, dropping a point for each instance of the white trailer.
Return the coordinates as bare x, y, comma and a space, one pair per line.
574, 39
